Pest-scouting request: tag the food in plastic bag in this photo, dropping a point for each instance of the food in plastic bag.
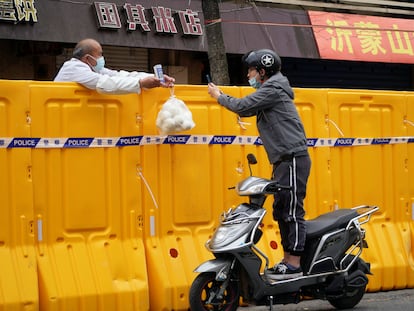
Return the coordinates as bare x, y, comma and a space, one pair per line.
174, 116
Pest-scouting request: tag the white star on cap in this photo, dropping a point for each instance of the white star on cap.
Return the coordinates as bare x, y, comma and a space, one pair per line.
267, 60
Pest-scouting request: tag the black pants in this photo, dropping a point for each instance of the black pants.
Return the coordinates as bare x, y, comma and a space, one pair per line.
288, 208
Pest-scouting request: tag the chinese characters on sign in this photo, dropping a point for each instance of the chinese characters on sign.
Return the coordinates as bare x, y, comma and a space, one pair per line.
18, 11
108, 17
364, 38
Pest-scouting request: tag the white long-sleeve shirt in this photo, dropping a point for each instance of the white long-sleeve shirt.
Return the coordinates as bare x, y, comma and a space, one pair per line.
107, 81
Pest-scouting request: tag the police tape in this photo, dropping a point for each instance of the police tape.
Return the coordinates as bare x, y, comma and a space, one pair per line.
104, 142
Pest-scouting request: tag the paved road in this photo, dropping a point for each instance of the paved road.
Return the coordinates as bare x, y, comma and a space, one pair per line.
397, 300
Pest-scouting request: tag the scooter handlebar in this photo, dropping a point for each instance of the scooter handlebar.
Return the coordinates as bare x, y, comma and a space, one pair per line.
276, 187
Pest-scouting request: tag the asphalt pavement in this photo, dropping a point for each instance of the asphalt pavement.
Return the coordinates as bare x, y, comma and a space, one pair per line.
395, 300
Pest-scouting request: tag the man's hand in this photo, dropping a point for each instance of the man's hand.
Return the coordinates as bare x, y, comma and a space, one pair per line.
169, 81
213, 90
151, 82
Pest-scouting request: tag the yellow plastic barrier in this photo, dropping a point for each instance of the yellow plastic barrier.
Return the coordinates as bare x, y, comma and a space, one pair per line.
189, 182
409, 207
18, 268
376, 174
89, 243
105, 226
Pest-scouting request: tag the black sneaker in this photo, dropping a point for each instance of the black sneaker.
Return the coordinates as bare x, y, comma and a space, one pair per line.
283, 271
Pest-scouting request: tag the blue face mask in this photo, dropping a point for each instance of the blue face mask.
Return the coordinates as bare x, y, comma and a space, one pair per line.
254, 83
100, 63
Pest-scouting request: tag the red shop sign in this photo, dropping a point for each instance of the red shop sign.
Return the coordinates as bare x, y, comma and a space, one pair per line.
363, 38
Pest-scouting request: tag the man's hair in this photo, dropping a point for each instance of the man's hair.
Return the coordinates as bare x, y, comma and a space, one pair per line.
82, 48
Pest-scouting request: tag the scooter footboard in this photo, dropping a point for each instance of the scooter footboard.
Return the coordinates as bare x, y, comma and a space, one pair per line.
219, 266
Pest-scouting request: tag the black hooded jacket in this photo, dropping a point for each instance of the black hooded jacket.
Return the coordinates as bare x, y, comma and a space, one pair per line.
278, 122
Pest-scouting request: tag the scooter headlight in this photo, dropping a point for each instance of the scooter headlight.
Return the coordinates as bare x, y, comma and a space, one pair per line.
235, 234
252, 186
252, 190
220, 235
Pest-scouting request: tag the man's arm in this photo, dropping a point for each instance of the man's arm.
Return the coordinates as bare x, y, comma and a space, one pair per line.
109, 81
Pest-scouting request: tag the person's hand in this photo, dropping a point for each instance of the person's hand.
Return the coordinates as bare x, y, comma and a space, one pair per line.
151, 82
213, 90
169, 81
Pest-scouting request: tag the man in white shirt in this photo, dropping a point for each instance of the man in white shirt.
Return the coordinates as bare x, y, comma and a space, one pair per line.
87, 67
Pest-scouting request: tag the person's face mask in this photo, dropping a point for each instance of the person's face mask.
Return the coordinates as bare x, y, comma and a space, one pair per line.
100, 63
254, 83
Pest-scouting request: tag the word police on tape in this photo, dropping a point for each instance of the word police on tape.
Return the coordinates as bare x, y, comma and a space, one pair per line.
96, 142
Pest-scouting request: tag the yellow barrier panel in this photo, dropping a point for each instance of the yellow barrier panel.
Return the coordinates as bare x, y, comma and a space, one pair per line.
408, 230
18, 270
373, 174
189, 183
90, 250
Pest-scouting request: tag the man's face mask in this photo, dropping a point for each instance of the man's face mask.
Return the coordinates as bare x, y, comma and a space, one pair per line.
100, 63
254, 83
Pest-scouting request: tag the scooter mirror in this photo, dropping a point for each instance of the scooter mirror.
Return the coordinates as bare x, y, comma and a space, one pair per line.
251, 158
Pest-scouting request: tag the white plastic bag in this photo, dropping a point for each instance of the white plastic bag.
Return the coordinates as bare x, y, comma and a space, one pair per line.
174, 116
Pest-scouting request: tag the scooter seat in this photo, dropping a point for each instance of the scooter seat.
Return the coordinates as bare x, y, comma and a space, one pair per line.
326, 222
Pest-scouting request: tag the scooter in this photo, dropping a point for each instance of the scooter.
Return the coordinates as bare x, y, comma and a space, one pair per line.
333, 269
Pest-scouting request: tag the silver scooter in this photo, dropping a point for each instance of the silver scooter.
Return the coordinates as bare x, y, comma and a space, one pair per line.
332, 267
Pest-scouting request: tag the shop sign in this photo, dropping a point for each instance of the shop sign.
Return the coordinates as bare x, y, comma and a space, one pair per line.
136, 18
363, 38
17, 11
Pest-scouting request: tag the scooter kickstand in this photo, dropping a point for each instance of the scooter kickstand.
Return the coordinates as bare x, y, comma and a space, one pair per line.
270, 303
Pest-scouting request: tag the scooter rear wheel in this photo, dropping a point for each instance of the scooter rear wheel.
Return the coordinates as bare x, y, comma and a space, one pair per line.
350, 300
204, 291
352, 294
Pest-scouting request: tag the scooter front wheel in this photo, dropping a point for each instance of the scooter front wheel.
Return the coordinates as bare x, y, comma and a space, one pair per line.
206, 293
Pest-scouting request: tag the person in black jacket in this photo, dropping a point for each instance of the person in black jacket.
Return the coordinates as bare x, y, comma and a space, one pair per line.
282, 133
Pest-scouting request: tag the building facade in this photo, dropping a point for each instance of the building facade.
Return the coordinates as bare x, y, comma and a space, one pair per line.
322, 43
